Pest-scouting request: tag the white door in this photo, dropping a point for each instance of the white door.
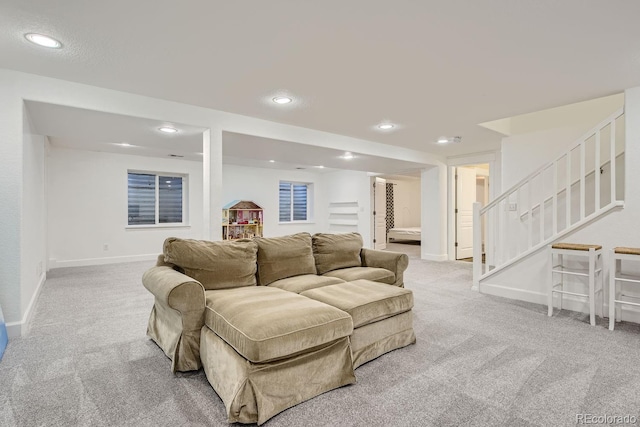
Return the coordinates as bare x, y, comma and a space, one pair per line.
465, 197
379, 213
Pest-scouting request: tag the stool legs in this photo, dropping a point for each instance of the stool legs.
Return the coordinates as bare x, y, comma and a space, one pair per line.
592, 279
560, 296
550, 280
613, 267
556, 261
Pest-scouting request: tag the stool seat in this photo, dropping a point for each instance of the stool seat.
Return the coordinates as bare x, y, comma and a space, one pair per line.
627, 251
575, 246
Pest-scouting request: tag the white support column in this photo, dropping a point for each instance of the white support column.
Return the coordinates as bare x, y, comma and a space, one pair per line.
212, 183
567, 193
554, 207
583, 198
612, 161
598, 165
530, 216
434, 213
477, 246
11, 181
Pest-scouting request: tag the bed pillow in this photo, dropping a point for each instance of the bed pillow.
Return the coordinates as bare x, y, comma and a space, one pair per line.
334, 251
283, 257
217, 265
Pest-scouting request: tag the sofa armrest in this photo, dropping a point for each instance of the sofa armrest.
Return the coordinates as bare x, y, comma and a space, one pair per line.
174, 289
392, 261
177, 315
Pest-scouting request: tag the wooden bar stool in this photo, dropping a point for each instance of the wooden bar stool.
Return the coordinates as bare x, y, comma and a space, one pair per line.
615, 275
593, 254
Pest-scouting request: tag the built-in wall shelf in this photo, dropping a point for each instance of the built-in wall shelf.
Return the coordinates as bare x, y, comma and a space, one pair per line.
343, 216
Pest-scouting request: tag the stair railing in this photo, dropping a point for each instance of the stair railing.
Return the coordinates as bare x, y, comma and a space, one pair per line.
562, 195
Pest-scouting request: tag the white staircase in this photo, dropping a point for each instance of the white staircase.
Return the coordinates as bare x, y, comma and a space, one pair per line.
567, 193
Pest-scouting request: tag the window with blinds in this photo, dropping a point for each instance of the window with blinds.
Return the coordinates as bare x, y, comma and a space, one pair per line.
155, 199
294, 201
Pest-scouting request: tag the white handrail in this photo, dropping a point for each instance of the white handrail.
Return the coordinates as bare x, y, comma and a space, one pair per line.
611, 119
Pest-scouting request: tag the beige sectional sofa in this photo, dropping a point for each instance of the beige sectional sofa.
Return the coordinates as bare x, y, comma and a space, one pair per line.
276, 321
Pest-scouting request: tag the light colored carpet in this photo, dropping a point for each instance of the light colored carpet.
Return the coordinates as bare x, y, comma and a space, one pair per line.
479, 361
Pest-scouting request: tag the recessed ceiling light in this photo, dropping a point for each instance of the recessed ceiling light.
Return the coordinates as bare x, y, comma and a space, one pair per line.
386, 126
320, 167
124, 144
44, 41
167, 129
282, 100
272, 161
445, 139
347, 156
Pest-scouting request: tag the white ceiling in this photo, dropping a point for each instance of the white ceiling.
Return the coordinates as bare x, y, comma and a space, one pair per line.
81, 129
255, 151
434, 67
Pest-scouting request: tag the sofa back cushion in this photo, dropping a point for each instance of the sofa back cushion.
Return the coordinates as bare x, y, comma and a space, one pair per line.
283, 257
334, 251
217, 265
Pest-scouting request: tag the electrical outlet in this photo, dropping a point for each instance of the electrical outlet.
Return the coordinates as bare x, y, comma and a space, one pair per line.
105, 247
513, 206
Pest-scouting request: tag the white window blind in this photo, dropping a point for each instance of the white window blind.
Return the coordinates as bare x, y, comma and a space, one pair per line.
155, 199
294, 202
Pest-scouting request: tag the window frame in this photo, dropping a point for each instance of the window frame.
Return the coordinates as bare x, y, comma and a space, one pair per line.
185, 199
309, 207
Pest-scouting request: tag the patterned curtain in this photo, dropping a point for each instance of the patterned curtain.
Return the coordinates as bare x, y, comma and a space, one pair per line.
389, 207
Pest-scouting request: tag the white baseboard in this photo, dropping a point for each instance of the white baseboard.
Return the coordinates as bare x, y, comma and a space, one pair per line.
513, 293
14, 329
434, 257
21, 328
55, 263
569, 302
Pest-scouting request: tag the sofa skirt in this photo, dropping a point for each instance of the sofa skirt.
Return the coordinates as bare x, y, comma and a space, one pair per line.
375, 339
165, 328
255, 392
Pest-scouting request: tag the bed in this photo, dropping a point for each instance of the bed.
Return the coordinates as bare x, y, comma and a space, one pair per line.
404, 233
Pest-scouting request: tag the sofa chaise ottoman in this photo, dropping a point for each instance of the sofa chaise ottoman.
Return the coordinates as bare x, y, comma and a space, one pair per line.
381, 314
269, 347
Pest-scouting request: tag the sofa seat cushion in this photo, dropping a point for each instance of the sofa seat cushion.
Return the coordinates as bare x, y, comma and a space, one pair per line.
217, 265
369, 273
305, 282
334, 251
263, 323
282, 257
364, 300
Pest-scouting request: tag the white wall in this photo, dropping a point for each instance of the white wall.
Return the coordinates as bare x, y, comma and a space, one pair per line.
88, 207
433, 213
523, 154
260, 185
527, 280
406, 202
349, 186
34, 211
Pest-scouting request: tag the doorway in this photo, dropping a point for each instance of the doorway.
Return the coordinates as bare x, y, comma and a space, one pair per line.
379, 213
471, 185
